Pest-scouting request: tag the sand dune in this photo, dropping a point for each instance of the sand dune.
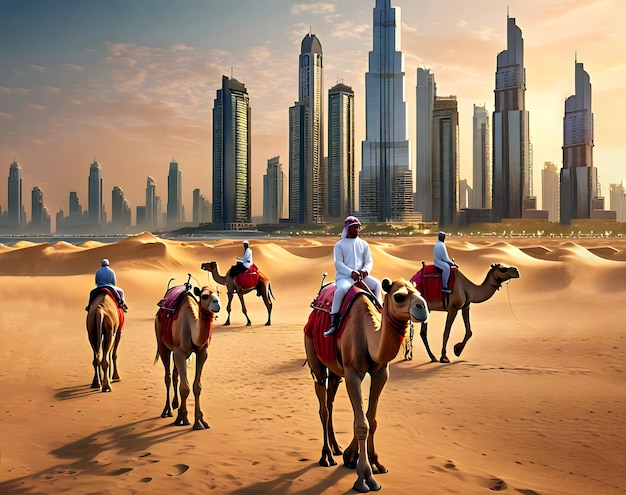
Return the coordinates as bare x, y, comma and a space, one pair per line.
533, 406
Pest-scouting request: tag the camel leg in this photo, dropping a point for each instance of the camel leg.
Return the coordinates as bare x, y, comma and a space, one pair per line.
179, 359
228, 307
424, 335
116, 374
378, 382
365, 478
446, 335
201, 357
319, 372
267, 301
458, 348
244, 309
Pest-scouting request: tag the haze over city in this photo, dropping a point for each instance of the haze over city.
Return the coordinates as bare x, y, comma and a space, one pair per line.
132, 84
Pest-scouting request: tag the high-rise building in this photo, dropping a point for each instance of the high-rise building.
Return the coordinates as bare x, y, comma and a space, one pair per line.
231, 154
120, 209
426, 91
445, 198
174, 195
94, 195
341, 172
151, 216
386, 184
273, 187
578, 175
511, 164
481, 163
306, 145
40, 218
16, 205
550, 191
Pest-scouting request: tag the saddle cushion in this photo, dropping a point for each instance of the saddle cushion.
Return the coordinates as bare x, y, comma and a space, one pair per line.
428, 282
248, 279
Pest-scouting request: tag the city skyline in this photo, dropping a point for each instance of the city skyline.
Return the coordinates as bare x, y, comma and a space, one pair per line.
132, 86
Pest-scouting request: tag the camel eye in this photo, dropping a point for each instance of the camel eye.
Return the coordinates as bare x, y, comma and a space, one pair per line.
399, 298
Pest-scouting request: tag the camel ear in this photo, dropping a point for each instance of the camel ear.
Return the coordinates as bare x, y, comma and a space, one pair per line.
386, 285
197, 291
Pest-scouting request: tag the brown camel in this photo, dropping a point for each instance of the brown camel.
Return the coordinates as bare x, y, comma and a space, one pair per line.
263, 289
104, 329
191, 332
463, 294
366, 342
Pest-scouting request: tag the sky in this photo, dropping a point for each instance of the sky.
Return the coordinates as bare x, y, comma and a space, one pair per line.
132, 83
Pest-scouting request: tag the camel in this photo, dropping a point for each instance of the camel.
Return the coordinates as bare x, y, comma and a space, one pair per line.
366, 342
191, 332
263, 289
463, 294
104, 329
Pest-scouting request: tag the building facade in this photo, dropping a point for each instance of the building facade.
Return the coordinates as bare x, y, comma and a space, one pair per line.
341, 161
232, 202
306, 138
511, 174
385, 180
481, 159
273, 187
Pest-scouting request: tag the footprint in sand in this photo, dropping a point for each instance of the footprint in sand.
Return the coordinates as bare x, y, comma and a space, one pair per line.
179, 469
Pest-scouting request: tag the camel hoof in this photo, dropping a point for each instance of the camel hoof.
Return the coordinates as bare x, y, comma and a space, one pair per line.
458, 349
444, 359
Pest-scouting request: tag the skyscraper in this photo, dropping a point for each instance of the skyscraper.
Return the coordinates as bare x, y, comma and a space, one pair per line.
273, 186
15, 194
94, 194
306, 145
550, 191
510, 129
578, 175
445, 198
386, 185
174, 194
341, 172
231, 154
426, 91
151, 215
481, 162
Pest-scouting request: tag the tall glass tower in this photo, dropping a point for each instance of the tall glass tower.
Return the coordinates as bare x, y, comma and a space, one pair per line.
341, 174
94, 194
511, 148
15, 194
307, 178
174, 194
578, 175
386, 185
231, 154
425, 92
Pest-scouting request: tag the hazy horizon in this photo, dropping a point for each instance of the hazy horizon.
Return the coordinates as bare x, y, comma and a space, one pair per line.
132, 84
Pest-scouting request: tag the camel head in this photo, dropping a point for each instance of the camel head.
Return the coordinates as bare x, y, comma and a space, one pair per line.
209, 266
209, 302
403, 301
503, 273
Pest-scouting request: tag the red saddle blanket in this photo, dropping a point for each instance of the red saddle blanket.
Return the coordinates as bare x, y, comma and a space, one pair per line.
428, 282
169, 307
319, 319
248, 279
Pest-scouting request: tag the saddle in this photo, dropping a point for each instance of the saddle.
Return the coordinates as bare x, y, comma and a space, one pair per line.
248, 279
428, 281
169, 306
319, 319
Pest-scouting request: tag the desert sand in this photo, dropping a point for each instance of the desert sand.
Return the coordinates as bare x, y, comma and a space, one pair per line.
534, 405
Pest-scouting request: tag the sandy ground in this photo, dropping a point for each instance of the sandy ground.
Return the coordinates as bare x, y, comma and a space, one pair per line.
534, 405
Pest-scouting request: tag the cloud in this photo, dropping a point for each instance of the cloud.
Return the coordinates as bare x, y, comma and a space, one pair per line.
75, 68
313, 8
